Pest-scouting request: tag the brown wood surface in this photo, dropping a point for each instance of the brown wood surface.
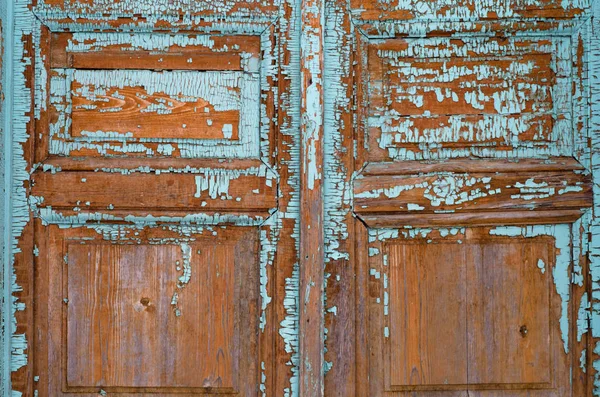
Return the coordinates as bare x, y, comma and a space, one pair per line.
114, 324
133, 111
511, 314
414, 65
202, 191
465, 315
436, 95
472, 192
397, 10
312, 255
126, 293
427, 309
225, 54
105, 321
471, 312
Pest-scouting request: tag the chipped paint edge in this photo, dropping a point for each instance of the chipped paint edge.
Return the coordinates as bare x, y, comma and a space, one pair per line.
16, 108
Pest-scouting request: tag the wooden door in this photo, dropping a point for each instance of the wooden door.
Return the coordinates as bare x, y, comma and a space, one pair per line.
459, 157
157, 210
300, 198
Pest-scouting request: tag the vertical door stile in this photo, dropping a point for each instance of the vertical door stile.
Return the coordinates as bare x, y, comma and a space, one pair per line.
311, 204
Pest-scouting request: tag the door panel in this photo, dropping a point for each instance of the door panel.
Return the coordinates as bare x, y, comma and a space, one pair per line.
150, 309
471, 188
163, 188
468, 309
156, 94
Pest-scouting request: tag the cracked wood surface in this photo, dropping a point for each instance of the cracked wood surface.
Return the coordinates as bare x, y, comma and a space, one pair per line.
364, 198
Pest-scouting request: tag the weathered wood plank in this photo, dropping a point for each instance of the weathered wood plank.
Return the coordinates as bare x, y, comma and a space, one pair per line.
465, 9
168, 52
157, 301
447, 97
223, 8
427, 308
311, 326
447, 191
192, 105
208, 190
436, 295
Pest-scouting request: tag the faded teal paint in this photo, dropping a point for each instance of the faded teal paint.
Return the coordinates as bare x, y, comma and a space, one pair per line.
16, 107
259, 143
6, 34
223, 90
338, 203
593, 55
396, 129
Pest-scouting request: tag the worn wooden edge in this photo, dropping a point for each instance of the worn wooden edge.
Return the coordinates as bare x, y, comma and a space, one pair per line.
284, 377
200, 192
340, 55
593, 238
191, 20
82, 164
311, 325
473, 165
480, 218
4, 270
175, 57
385, 28
5, 26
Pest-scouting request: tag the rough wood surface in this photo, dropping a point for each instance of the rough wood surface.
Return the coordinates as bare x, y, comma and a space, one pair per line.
183, 134
311, 326
165, 312
436, 101
359, 146
462, 310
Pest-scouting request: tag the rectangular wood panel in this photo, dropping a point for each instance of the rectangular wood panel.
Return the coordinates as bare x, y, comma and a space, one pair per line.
441, 97
457, 310
232, 9
464, 9
156, 51
148, 310
155, 315
209, 189
148, 104
428, 315
510, 313
151, 94
467, 192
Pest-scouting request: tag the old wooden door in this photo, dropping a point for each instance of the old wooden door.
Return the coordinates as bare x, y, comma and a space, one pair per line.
458, 142
298, 198
155, 160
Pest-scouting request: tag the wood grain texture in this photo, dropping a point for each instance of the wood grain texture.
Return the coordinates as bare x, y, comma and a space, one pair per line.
312, 256
242, 190
135, 112
437, 97
464, 314
436, 192
428, 318
155, 94
164, 312
158, 330
122, 51
510, 313
465, 9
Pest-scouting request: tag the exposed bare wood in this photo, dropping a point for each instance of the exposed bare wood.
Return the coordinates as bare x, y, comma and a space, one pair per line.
311, 331
224, 53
